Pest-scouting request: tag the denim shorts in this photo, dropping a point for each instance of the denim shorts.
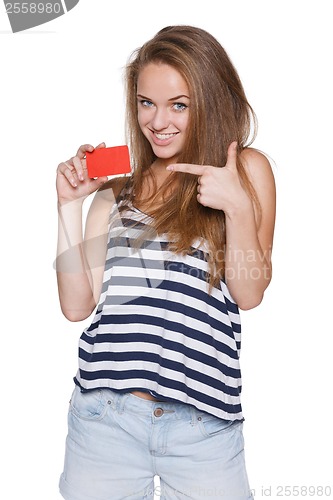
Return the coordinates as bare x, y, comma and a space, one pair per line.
118, 442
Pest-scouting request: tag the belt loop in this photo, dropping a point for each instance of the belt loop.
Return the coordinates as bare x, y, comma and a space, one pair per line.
122, 398
118, 401
194, 416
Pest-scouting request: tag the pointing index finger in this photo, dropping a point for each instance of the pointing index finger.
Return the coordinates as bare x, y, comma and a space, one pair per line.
187, 168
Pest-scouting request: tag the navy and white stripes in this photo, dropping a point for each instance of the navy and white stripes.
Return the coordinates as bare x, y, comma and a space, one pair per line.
156, 327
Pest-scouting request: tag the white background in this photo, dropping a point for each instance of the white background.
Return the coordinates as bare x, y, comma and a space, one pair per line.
61, 86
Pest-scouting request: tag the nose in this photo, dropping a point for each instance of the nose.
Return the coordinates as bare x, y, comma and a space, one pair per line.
160, 120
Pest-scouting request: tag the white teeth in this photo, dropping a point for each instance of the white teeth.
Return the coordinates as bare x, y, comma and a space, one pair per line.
163, 137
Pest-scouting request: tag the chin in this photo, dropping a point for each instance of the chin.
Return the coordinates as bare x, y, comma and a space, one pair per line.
165, 155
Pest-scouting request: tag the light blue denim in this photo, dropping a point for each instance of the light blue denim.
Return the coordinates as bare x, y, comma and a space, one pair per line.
117, 443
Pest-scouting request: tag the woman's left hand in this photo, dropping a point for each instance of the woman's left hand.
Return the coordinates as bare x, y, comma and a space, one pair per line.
218, 188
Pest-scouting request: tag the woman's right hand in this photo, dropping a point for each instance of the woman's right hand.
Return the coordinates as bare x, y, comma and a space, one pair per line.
72, 180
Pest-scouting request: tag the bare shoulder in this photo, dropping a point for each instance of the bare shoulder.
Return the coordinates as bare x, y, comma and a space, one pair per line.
257, 165
260, 173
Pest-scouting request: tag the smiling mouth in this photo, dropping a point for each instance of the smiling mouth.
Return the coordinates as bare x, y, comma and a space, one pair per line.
164, 137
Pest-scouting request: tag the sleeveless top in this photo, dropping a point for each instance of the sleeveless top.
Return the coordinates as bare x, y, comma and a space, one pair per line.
156, 327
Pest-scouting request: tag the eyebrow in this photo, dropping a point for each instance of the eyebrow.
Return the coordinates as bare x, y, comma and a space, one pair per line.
172, 98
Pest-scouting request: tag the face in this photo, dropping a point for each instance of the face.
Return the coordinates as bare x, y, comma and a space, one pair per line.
163, 109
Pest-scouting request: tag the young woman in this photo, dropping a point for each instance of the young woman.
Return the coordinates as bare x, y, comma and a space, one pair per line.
169, 256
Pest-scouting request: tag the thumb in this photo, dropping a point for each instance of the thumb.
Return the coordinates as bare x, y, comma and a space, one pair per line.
102, 180
98, 182
232, 155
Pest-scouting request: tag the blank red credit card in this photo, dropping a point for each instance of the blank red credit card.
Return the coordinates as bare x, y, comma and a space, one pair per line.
108, 161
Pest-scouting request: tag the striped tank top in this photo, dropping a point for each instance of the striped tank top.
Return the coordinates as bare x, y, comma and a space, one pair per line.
156, 327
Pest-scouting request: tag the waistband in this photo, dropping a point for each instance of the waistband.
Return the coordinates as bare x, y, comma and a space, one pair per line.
128, 402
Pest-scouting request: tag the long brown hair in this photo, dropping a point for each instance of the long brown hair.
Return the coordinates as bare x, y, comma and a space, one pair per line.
219, 115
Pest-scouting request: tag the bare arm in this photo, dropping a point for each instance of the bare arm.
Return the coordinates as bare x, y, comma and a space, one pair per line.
81, 257
73, 275
248, 247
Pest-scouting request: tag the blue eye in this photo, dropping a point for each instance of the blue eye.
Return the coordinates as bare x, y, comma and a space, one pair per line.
146, 103
179, 106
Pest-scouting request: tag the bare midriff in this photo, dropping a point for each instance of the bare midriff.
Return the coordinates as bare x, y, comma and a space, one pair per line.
144, 395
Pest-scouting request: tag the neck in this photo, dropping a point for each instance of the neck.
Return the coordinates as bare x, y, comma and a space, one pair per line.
156, 186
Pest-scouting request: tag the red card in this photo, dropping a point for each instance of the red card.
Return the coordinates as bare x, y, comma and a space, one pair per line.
108, 161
